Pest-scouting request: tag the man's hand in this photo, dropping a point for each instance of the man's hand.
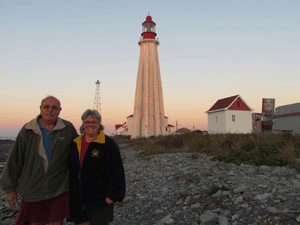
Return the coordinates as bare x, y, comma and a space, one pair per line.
12, 199
109, 201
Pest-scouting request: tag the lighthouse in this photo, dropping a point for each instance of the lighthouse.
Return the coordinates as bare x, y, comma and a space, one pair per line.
148, 115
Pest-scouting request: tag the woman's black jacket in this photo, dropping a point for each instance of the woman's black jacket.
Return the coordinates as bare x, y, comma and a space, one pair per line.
101, 175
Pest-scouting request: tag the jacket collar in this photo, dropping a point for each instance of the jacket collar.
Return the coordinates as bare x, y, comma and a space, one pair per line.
100, 139
34, 125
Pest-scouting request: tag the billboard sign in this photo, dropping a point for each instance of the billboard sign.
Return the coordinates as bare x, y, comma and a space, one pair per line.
268, 106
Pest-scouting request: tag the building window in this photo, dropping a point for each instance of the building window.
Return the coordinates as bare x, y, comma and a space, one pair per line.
233, 118
216, 119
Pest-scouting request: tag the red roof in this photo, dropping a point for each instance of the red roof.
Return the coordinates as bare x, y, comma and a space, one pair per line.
148, 20
225, 103
117, 126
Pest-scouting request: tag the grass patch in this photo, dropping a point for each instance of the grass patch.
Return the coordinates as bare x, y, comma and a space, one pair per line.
256, 149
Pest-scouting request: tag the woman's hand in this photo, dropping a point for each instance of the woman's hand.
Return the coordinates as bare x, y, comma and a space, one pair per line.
109, 201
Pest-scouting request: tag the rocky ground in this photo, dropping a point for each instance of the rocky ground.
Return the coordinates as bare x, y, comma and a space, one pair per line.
186, 188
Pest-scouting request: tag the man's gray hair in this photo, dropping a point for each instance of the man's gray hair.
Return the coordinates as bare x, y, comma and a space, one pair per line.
92, 113
50, 96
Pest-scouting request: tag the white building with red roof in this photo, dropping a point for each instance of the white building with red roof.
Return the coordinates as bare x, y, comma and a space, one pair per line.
230, 115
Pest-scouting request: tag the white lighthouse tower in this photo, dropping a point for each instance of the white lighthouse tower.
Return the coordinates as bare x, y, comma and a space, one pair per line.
148, 115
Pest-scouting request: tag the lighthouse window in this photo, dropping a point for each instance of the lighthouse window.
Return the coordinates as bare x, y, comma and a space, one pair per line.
149, 27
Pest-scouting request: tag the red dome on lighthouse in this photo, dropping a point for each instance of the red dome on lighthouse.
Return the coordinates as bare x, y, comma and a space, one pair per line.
149, 31
149, 20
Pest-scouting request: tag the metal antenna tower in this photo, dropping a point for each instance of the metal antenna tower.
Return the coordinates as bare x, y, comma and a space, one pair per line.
97, 103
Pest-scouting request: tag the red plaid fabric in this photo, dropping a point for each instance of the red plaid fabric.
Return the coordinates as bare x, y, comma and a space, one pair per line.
47, 211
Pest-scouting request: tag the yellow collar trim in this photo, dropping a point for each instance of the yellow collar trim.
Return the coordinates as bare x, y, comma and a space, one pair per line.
100, 139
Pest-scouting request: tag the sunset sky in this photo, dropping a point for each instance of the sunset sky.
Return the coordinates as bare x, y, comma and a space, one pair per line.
208, 50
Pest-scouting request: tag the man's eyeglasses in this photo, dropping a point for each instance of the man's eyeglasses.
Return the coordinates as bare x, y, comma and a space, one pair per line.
53, 107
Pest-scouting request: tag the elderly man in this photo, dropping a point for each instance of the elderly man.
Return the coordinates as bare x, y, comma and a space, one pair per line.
37, 167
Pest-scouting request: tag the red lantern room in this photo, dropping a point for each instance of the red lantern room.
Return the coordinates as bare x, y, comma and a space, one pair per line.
148, 28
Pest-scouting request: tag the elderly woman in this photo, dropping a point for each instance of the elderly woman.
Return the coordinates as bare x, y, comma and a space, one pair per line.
97, 177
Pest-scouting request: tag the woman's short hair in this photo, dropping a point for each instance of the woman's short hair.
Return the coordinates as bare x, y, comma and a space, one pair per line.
92, 113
